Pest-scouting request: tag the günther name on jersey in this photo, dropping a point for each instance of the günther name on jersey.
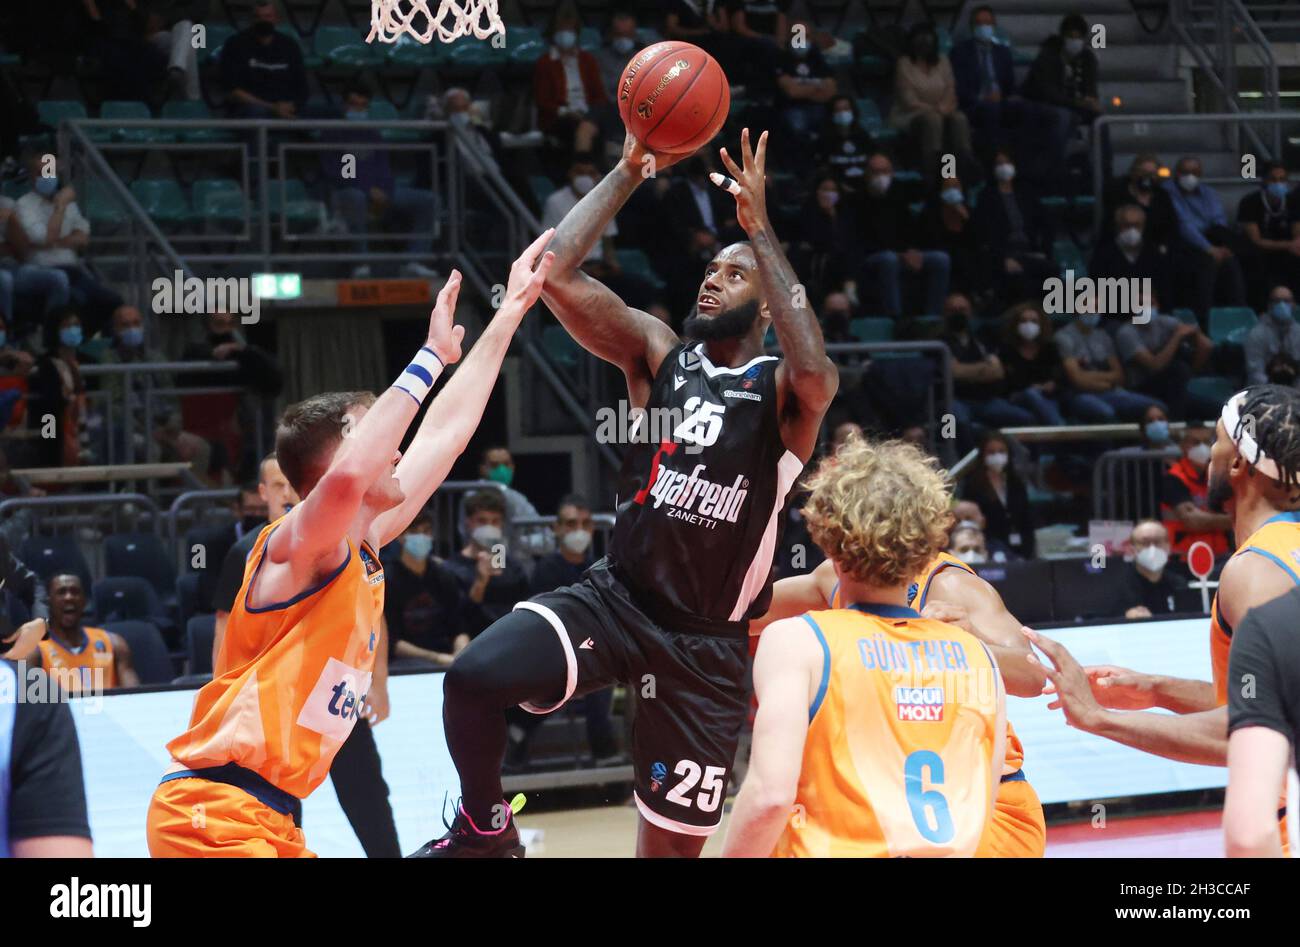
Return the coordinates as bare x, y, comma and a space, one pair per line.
696, 499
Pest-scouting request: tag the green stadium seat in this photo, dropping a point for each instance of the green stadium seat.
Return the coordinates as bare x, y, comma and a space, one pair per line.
311, 58
1217, 388
213, 40
468, 56
1068, 256
163, 200
872, 329
589, 38
636, 262
290, 197
560, 347
132, 111
542, 188
410, 53
219, 199
523, 55
381, 110
342, 46
54, 111
194, 111
907, 177
1185, 315
1231, 323
103, 210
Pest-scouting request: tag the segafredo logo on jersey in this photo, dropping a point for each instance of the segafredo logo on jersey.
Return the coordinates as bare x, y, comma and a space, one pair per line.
922, 704
334, 704
694, 497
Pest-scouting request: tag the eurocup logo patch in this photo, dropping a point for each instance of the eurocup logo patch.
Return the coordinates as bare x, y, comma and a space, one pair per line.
657, 773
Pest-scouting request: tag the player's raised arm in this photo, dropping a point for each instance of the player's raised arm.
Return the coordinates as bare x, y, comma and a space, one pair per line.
592, 313
454, 415
788, 661
807, 379
313, 530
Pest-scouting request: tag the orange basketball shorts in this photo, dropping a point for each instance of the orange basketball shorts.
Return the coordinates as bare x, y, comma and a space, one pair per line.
200, 818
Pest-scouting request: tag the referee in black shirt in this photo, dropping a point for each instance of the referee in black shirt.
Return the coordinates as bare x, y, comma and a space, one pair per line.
42, 798
1263, 730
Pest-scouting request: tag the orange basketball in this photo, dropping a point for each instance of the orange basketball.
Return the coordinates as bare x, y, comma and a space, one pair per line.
673, 97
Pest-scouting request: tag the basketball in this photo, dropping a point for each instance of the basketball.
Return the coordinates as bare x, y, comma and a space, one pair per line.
673, 97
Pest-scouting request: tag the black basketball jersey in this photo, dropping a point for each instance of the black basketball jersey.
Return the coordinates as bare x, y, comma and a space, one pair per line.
703, 487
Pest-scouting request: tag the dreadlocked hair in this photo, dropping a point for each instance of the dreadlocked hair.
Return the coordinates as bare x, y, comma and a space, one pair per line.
1275, 410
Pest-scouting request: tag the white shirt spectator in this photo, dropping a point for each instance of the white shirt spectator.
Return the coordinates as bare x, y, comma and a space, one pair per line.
573, 79
558, 205
34, 213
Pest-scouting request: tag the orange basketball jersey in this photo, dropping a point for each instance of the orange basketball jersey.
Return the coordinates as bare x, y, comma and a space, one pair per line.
916, 597
290, 678
88, 667
904, 743
1277, 540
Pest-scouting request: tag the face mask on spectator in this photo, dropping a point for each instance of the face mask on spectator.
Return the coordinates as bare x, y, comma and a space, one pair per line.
1152, 558
1130, 238
1006, 171
1277, 189
565, 39
623, 45
1280, 310
502, 474
1157, 431
831, 197
972, 557
1073, 46
46, 187
983, 33
969, 524
880, 182
951, 195
576, 541
418, 545
1188, 182
1029, 330
843, 118
459, 119
583, 183
1199, 454
996, 461
70, 336
132, 338
485, 537
357, 115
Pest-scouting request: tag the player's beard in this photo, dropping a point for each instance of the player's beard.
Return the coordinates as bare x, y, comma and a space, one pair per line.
728, 324
1217, 493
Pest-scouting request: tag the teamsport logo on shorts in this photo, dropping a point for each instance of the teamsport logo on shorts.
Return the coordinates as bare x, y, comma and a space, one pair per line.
921, 704
657, 773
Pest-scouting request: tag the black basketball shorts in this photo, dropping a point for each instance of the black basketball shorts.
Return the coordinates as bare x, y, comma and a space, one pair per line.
691, 689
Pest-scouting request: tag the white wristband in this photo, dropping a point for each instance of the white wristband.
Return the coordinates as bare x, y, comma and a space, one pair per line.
417, 381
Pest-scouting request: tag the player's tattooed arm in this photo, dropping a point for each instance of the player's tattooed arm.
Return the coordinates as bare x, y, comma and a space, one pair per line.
589, 310
805, 373
796, 594
984, 615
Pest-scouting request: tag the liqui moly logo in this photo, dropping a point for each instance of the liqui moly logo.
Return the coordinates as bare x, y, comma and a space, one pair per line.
694, 497
921, 704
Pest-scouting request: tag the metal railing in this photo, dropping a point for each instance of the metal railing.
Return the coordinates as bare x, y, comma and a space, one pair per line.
1213, 32
1277, 118
1126, 484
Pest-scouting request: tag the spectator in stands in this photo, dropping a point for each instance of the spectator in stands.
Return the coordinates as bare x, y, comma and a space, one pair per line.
985, 80
55, 232
1128, 255
760, 20
371, 196
127, 393
1273, 344
1142, 188
836, 314
573, 535
805, 85
423, 601
948, 226
1150, 588
925, 101
1183, 504
114, 32
77, 656
169, 28
1270, 221
1155, 434
701, 219
498, 465
997, 489
1161, 354
705, 24
1031, 364
262, 69
967, 544
1094, 379
968, 515
568, 89
1013, 232
843, 146
827, 237
979, 379
491, 580
1204, 259
44, 805
620, 43
15, 367
44, 286
226, 341
1063, 83
59, 391
890, 242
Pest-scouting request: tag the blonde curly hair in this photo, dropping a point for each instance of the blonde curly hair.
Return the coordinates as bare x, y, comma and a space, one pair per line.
881, 510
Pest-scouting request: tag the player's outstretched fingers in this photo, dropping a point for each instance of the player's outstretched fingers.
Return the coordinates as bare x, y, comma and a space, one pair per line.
530, 255
450, 292
760, 156
729, 164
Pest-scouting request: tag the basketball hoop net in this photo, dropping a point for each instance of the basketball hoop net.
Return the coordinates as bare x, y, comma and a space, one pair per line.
390, 19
